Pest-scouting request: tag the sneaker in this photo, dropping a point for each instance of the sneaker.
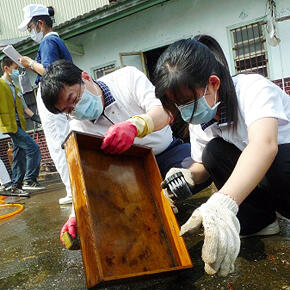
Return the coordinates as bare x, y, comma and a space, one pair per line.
6, 186
32, 185
271, 229
19, 192
65, 200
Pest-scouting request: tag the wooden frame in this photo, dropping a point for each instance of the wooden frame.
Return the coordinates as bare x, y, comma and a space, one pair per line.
142, 59
126, 226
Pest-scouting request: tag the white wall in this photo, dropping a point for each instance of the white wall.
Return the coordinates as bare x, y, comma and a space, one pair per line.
176, 19
11, 13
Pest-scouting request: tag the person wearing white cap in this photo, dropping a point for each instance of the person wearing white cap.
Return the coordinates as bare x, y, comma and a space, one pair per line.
37, 20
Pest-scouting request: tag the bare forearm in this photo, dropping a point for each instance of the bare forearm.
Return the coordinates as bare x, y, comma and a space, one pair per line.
251, 167
199, 172
31, 64
38, 68
255, 159
28, 112
159, 116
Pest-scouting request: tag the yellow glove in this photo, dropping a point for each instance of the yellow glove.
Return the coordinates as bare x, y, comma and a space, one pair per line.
143, 123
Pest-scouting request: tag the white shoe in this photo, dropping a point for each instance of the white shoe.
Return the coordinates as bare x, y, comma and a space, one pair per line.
6, 187
65, 200
271, 229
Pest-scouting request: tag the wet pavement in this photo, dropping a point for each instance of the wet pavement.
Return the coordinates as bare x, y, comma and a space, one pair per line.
31, 256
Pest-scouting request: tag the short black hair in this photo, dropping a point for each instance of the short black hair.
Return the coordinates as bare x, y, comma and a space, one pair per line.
6, 61
59, 74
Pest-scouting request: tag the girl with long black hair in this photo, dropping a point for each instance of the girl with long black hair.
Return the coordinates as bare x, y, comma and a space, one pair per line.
239, 133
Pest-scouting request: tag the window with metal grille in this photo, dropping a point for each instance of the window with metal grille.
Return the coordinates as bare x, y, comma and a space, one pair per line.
249, 49
99, 72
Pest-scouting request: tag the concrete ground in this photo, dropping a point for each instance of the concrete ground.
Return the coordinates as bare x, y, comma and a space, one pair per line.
32, 257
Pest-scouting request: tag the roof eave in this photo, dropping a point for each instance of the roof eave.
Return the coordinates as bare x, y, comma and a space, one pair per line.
89, 21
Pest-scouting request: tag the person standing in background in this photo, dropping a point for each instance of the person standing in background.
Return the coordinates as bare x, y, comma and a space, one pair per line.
38, 22
26, 153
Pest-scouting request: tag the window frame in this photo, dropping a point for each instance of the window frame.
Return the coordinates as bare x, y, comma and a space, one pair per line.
104, 66
265, 51
140, 54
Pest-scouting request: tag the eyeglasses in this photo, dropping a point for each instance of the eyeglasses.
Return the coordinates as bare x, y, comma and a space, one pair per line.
75, 101
191, 102
29, 27
179, 107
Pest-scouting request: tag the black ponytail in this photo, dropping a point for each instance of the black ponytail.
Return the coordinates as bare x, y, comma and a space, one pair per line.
50, 11
215, 48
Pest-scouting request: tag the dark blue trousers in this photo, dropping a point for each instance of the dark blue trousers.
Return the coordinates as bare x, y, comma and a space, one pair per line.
178, 154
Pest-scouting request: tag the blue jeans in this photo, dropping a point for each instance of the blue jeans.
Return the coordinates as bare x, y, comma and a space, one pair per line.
26, 158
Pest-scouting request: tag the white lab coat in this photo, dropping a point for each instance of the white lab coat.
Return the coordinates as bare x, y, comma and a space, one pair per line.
134, 94
56, 129
4, 175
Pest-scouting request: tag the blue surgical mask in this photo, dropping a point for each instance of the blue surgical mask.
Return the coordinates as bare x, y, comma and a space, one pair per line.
89, 107
203, 112
15, 74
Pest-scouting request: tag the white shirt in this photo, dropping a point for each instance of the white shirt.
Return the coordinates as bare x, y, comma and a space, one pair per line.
50, 33
134, 94
257, 98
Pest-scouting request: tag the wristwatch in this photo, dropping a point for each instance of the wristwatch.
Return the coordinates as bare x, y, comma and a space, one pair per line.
31, 64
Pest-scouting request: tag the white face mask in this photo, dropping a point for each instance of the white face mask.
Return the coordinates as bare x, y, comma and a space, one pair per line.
36, 36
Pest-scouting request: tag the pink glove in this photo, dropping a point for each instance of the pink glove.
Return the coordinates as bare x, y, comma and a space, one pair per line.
119, 138
71, 227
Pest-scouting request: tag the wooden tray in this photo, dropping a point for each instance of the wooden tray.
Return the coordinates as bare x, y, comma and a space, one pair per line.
126, 226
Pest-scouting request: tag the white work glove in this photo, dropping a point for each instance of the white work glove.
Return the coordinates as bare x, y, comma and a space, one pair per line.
221, 233
175, 186
186, 173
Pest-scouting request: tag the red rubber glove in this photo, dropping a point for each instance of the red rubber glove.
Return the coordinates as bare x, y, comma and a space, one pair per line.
119, 138
71, 227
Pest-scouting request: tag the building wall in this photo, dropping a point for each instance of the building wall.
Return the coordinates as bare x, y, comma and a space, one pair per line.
163, 24
168, 22
11, 13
